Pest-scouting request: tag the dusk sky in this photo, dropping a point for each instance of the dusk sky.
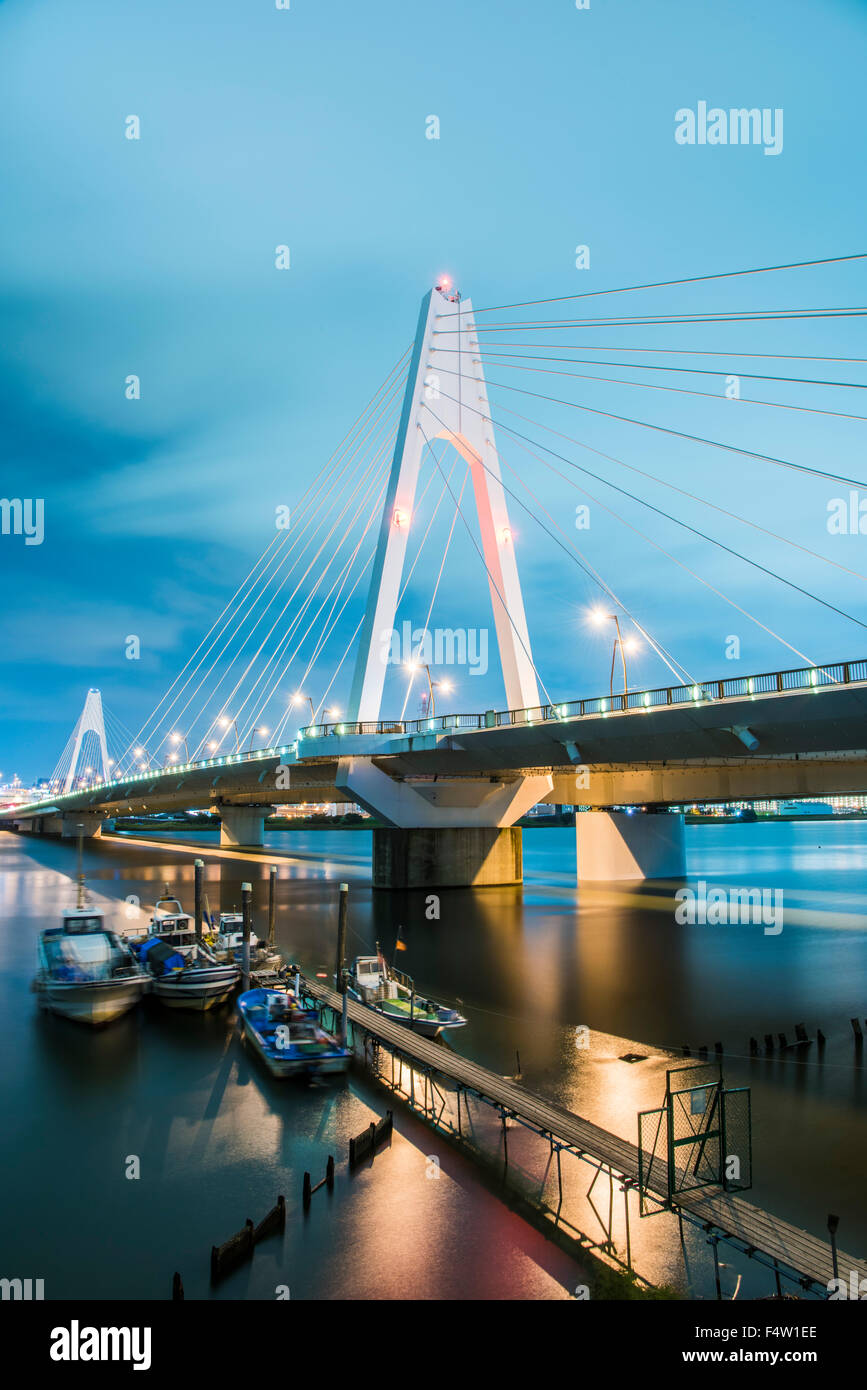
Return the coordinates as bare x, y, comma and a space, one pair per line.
155, 257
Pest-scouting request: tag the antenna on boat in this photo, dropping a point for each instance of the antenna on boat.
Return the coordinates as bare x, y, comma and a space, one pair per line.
80, 903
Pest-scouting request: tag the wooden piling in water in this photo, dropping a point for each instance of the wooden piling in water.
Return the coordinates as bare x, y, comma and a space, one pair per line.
274, 1221
369, 1140
232, 1252
328, 1181
177, 1288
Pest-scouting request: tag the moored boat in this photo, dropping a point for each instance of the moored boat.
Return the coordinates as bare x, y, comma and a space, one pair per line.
391, 993
86, 971
289, 1040
227, 942
185, 973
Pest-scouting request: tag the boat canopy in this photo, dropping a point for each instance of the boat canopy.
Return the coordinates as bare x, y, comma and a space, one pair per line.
89, 956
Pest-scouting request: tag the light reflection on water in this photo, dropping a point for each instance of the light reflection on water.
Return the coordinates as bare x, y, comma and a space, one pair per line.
527, 966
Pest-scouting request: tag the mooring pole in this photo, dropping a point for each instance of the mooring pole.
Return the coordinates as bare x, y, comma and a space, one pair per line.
79, 851
341, 937
715, 1243
833, 1223
247, 909
272, 903
198, 871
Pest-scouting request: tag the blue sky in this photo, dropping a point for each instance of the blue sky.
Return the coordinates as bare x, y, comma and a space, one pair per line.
306, 127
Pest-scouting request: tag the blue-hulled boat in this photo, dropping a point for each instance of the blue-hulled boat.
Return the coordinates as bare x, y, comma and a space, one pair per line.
290, 1040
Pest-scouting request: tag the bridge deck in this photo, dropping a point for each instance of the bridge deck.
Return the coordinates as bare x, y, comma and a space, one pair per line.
724, 1214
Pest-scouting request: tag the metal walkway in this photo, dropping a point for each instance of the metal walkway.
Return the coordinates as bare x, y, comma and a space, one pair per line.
724, 1217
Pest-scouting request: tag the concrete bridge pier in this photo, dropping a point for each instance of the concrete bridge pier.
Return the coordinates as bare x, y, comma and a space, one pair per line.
92, 822
242, 826
442, 832
447, 857
629, 845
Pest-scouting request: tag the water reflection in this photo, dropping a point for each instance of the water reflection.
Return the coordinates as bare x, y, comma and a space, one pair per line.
528, 968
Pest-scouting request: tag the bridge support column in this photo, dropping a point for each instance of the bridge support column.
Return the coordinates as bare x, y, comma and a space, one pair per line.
90, 820
619, 845
242, 826
447, 857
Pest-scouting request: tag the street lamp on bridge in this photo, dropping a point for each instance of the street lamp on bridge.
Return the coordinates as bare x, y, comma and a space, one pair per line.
224, 721
298, 699
599, 616
179, 738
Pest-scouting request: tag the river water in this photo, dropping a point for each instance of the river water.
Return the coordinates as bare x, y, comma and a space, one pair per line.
556, 980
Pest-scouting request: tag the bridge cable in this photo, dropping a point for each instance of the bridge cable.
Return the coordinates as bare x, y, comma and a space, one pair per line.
321, 479
694, 497
679, 434
706, 583
667, 284
491, 359
677, 521
438, 578
280, 537
332, 502
683, 352
834, 311
491, 579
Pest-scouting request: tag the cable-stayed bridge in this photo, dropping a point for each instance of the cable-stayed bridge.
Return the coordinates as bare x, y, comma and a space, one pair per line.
384, 514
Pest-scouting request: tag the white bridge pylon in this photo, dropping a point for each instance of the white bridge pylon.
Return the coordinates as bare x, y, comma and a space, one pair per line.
438, 405
89, 721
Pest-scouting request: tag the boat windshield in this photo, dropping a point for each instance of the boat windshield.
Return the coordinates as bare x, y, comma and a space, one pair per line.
82, 924
92, 956
168, 907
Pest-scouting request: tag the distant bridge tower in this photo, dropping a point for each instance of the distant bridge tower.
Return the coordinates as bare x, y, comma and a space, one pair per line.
445, 398
89, 721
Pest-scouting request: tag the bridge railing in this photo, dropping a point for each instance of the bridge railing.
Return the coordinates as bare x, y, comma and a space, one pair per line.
816, 678
734, 687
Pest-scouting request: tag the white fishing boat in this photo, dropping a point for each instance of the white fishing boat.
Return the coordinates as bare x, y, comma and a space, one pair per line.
184, 971
391, 993
227, 943
230, 933
86, 971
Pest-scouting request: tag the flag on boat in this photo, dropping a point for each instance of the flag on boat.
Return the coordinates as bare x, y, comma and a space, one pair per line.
400, 944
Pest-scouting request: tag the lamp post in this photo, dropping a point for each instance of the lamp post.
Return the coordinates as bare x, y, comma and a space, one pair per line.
296, 700
435, 685
180, 738
253, 732
224, 721
600, 617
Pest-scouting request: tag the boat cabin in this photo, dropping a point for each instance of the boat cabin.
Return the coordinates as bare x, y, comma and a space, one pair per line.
83, 949
78, 921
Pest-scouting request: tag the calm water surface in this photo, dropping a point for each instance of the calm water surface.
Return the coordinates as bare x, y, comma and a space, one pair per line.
218, 1139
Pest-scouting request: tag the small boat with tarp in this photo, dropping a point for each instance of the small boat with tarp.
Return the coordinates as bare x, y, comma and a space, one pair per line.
373, 982
185, 972
290, 1040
